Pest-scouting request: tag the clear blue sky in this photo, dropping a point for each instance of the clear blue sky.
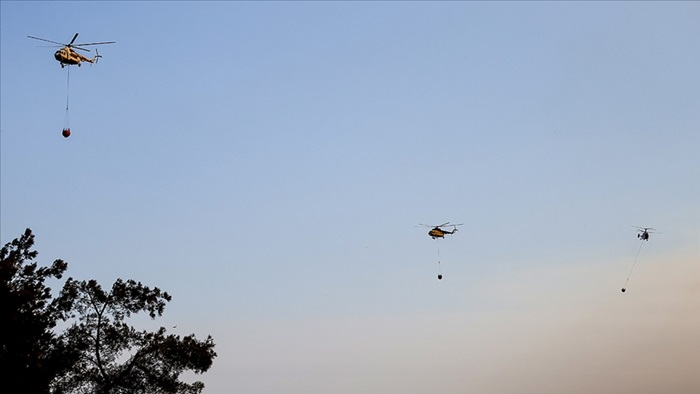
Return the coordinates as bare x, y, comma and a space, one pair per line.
266, 163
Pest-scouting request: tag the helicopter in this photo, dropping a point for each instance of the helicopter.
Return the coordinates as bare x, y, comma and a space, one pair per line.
644, 232
438, 232
67, 56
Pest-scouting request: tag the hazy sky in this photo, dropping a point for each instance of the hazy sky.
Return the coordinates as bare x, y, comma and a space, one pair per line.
266, 163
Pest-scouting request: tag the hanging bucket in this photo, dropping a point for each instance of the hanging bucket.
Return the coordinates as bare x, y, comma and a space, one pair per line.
65, 133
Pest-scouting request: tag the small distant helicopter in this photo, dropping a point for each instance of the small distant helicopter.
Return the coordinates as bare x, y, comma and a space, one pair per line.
438, 232
644, 232
67, 56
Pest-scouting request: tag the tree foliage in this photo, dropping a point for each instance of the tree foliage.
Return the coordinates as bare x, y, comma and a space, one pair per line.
154, 360
99, 352
30, 354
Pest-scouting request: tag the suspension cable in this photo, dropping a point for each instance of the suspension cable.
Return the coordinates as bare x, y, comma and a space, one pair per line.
66, 124
624, 288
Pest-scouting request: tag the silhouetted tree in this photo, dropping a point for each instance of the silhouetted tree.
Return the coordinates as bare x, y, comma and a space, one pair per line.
115, 357
30, 354
99, 353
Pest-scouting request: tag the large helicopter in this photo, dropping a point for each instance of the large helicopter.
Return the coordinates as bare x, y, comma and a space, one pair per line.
67, 56
438, 232
644, 232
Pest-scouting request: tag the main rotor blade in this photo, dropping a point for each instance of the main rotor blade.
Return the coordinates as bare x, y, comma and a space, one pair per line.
73, 40
43, 39
432, 225
82, 49
94, 43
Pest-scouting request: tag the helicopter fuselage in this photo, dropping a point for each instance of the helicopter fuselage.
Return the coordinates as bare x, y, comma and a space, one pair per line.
439, 233
68, 56
644, 232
